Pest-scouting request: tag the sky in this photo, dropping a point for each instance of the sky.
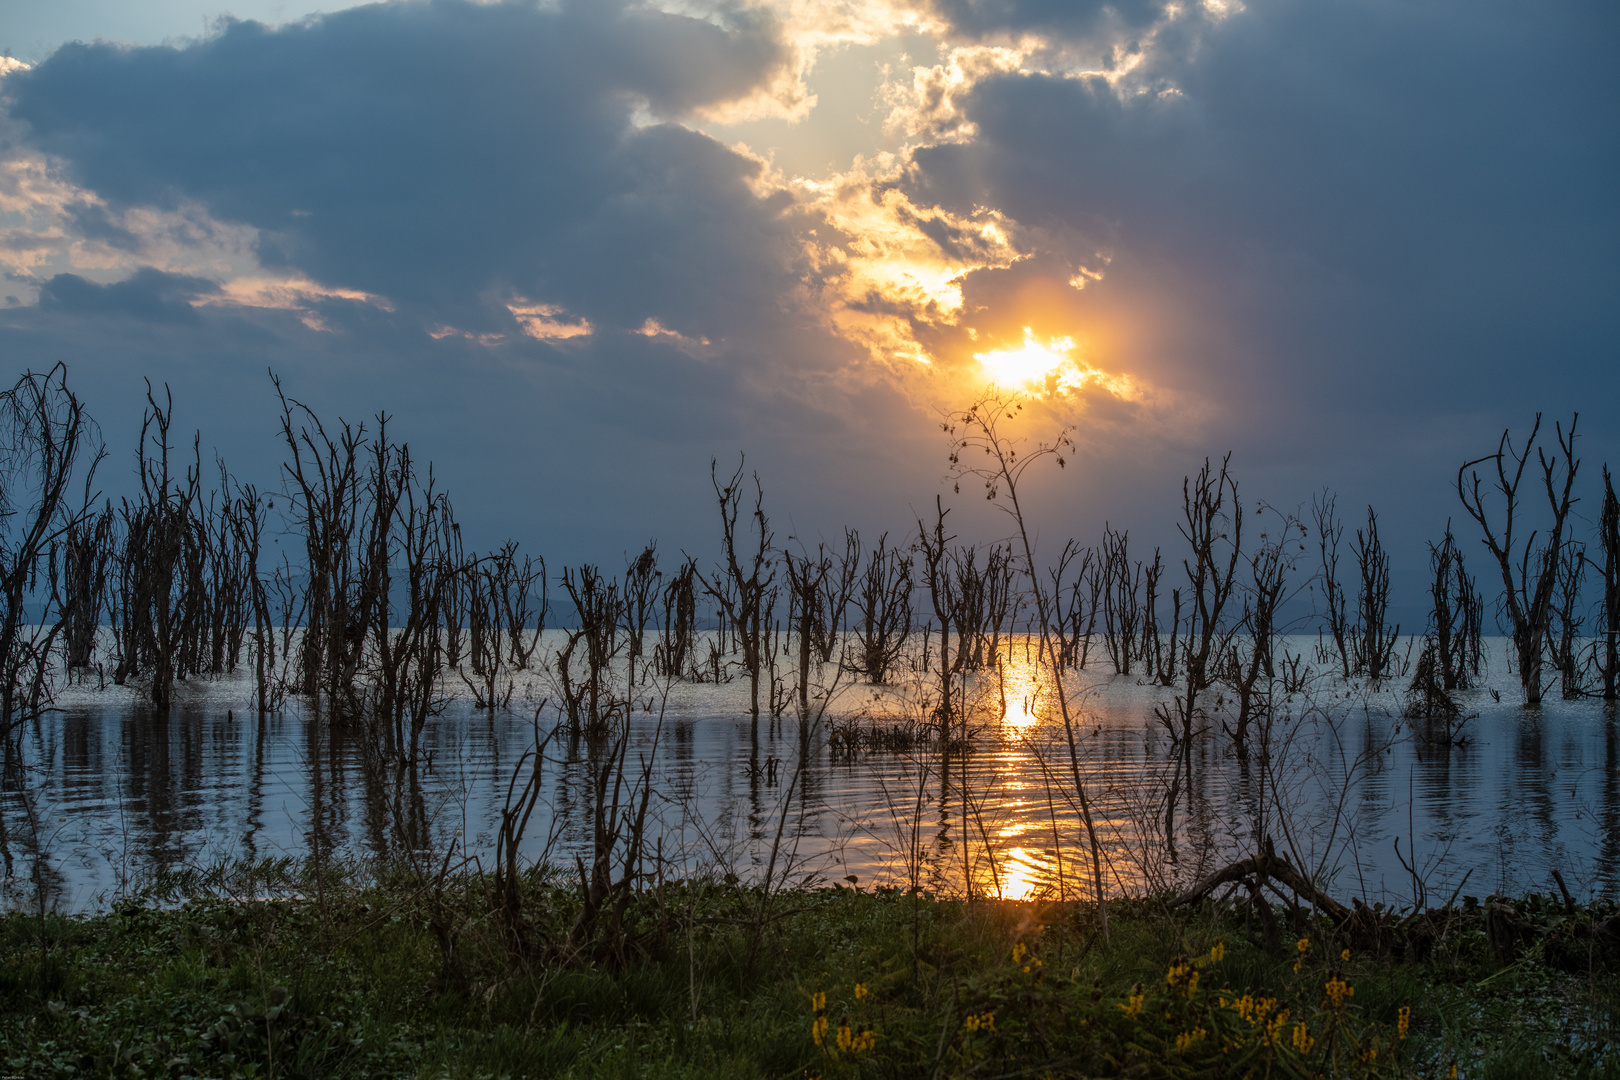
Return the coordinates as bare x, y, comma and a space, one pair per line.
576, 251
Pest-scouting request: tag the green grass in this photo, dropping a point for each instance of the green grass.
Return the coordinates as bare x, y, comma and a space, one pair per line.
355, 984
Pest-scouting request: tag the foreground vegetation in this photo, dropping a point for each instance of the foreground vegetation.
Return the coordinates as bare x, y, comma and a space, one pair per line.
414, 978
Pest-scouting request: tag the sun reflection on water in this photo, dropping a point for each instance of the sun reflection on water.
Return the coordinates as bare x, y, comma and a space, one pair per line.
1020, 875
1023, 687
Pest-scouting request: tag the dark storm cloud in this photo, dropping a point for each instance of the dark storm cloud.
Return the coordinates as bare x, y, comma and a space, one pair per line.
148, 294
1353, 192
443, 154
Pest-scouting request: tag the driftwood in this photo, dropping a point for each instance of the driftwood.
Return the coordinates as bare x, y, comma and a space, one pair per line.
1365, 928
1261, 870
1369, 929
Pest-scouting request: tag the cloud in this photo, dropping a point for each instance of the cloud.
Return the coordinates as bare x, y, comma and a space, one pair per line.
980, 18
1333, 197
149, 295
1318, 233
437, 154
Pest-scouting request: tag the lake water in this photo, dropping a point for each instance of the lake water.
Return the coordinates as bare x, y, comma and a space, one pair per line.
106, 794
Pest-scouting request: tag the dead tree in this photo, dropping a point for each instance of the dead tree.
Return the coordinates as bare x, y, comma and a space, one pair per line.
741, 584
588, 700
640, 593
940, 582
835, 597
1207, 525
1455, 612
1567, 620
1609, 609
674, 656
883, 603
406, 657
1529, 572
1074, 619
807, 579
1329, 533
525, 603
323, 479
1251, 676
1122, 600
88, 543
1373, 642
1151, 647
45, 438
247, 516
164, 548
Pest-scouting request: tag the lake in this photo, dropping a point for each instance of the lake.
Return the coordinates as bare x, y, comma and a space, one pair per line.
105, 795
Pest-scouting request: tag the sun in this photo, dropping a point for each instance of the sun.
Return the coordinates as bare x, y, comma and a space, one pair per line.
1032, 363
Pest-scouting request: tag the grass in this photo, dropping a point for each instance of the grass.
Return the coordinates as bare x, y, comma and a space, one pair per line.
355, 983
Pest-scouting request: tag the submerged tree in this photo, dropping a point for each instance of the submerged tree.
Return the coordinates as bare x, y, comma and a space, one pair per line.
741, 584
46, 438
1529, 571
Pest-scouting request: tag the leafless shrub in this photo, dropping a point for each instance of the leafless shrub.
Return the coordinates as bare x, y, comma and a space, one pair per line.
1428, 700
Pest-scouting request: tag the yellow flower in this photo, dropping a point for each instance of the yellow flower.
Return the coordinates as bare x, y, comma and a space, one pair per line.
1338, 990
818, 1030
1451, 1074
1135, 1002
1188, 1038
1018, 953
844, 1037
972, 1022
1369, 1055
1345, 955
860, 991
1303, 944
1404, 1022
1302, 1039
866, 1040
818, 1001
989, 1021
1274, 1027
1218, 953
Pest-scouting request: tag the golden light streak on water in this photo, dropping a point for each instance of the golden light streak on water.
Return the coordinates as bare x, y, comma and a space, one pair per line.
1023, 686
1020, 875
